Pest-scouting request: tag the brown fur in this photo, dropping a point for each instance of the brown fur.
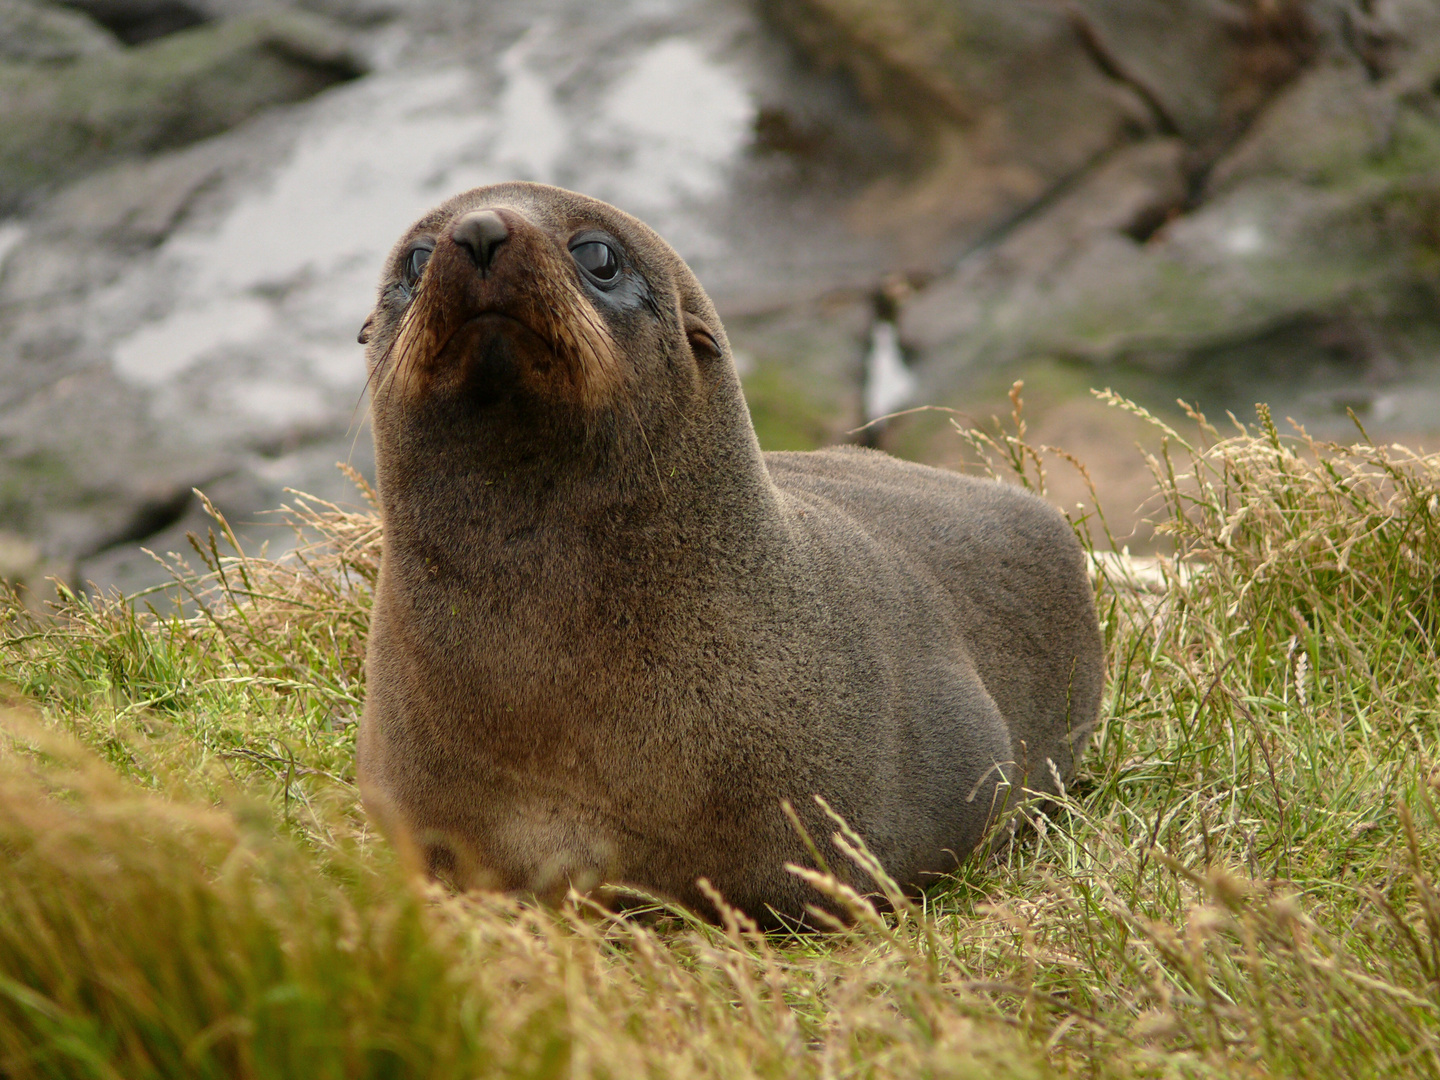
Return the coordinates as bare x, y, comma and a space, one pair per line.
610, 636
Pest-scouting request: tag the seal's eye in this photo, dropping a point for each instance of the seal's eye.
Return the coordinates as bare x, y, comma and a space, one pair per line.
414, 264
597, 259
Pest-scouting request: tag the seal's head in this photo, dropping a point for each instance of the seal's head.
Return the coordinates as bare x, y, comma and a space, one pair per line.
528, 299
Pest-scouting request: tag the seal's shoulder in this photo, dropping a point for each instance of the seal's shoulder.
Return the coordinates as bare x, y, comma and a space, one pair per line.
934, 514
858, 475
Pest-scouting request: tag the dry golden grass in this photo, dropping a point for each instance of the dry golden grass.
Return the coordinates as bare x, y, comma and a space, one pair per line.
1241, 882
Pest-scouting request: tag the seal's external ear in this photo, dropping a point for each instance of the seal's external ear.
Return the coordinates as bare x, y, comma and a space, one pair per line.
702, 341
364, 336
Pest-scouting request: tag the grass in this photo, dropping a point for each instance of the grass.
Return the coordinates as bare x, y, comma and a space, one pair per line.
1242, 881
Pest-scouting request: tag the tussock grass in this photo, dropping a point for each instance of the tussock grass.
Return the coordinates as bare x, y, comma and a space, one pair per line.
1242, 881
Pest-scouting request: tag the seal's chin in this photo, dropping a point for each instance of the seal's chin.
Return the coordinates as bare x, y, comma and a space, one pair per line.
489, 357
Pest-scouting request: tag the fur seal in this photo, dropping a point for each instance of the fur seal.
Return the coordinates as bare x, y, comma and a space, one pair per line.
610, 636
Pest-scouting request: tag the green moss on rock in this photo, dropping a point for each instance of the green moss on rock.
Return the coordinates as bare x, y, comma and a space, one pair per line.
59, 122
790, 411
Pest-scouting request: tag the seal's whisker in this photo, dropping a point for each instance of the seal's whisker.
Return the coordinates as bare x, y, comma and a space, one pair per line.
385, 363
579, 334
604, 363
369, 383
405, 348
640, 427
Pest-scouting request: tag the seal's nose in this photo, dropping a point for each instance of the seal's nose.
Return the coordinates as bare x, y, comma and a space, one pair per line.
481, 232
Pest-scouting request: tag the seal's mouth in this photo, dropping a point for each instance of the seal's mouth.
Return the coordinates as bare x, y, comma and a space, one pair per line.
493, 353
486, 324
516, 321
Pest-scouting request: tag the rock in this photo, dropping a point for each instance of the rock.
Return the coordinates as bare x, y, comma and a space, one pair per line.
79, 242
1324, 129
1200, 68
81, 456
85, 459
1392, 38
1000, 101
137, 21
982, 310
188, 318
36, 32
1271, 253
1204, 68
1322, 222
1003, 104
134, 204
161, 521
19, 558
801, 368
25, 570
359, 13
58, 123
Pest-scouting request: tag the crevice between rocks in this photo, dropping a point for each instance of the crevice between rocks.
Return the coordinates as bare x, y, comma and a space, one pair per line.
1279, 25
1112, 67
151, 516
135, 22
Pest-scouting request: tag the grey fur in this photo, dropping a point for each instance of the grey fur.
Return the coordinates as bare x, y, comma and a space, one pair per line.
610, 636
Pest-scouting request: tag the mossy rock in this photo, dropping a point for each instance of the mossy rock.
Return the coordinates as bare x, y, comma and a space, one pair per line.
790, 411
995, 103
1328, 211
48, 33
801, 371
59, 122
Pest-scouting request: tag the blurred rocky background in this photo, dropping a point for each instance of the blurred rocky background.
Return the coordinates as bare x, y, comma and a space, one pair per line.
893, 202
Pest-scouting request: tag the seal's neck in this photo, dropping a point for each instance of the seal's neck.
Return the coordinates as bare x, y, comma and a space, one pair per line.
464, 496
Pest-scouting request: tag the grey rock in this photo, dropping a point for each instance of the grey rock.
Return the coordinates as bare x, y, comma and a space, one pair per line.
165, 518
80, 455
135, 204
1326, 128
1392, 37
188, 317
1006, 103
1270, 253
59, 124
84, 457
981, 312
137, 21
19, 557
38, 32
1204, 67
1322, 217
180, 317
1001, 101
25, 570
362, 13
77, 245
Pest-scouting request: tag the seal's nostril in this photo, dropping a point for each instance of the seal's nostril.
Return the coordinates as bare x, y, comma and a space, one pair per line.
480, 232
